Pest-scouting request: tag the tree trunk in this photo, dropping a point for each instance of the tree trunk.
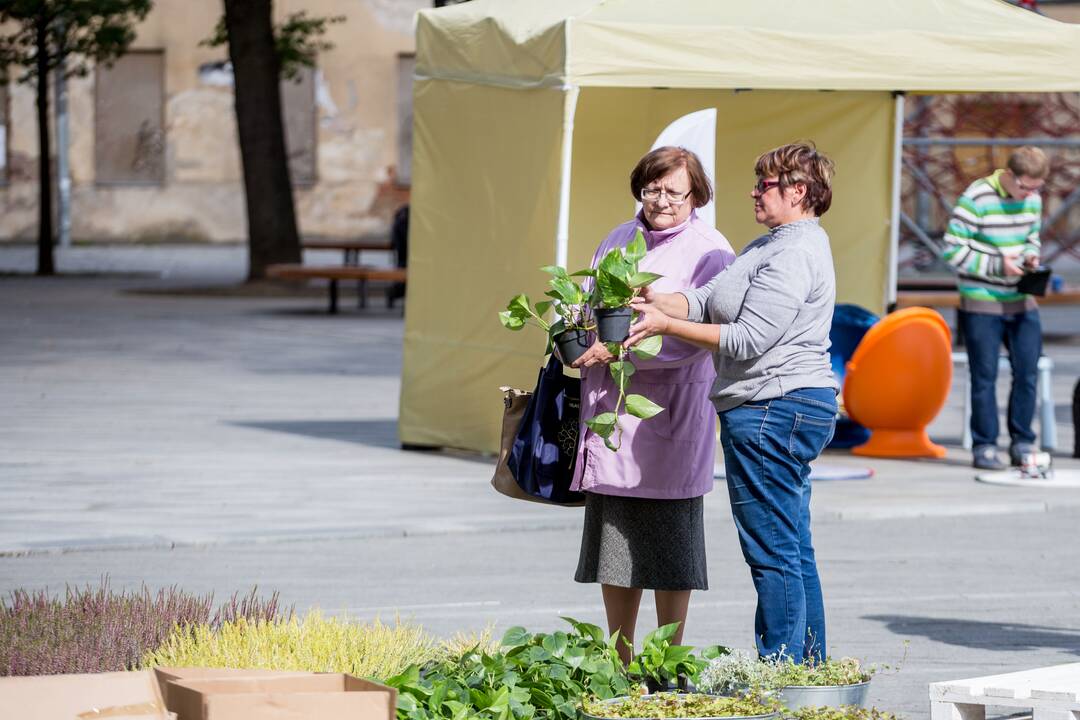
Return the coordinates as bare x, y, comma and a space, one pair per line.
45, 224
272, 233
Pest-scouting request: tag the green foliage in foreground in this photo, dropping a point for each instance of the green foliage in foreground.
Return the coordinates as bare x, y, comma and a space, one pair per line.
538, 675
315, 644
541, 675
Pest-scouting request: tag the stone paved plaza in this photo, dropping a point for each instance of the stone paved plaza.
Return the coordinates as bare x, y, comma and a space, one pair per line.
216, 441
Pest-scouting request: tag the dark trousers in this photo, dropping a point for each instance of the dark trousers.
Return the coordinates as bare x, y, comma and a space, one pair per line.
768, 447
984, 336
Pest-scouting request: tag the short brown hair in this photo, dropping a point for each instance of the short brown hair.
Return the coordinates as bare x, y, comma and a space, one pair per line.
800, 162
665, 160
1029, 161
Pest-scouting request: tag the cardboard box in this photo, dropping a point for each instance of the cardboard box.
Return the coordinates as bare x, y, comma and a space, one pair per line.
165, 675
322, 696
104, 696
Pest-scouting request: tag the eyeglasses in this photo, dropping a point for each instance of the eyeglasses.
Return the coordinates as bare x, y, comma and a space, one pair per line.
674, 199
1026, 188
763, 186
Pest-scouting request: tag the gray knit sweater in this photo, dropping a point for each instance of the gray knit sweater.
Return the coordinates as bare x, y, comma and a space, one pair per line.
775, 306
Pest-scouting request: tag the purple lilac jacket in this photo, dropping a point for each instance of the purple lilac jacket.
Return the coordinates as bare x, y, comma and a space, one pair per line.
669, 456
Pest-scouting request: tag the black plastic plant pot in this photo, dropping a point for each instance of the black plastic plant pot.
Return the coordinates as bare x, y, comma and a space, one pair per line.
572, 344
680, 684
613, 324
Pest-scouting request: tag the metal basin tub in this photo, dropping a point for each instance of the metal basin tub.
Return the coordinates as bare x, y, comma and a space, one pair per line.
799, 696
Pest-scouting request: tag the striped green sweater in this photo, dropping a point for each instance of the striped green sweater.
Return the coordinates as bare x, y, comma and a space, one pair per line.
986, 226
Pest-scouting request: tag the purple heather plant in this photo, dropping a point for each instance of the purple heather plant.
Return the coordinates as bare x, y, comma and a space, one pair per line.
98, 630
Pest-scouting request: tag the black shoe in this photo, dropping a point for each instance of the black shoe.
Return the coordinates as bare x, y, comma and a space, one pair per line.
985, 457
1019, 450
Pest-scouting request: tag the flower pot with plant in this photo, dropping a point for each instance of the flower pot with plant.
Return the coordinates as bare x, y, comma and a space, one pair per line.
663, 666
825, 683
618, 281
796, 685
569, 333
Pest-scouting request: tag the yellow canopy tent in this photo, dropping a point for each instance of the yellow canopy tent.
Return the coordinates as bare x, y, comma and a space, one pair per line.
528, 117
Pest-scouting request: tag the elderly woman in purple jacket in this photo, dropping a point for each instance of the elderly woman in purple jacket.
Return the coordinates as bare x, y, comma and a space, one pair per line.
644, 525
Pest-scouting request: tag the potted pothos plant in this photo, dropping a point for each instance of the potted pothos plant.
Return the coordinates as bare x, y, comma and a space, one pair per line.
618, 281
569, 332
661, 666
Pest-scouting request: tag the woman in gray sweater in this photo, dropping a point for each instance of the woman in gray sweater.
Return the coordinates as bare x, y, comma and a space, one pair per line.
766, 318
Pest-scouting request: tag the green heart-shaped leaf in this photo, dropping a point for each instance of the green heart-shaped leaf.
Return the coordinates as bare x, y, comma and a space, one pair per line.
636, 249
641, 279
603, 424
642, 407
510, 321
648, 348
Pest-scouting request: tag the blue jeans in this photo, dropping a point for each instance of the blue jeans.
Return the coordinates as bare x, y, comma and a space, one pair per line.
768, 447
983, 337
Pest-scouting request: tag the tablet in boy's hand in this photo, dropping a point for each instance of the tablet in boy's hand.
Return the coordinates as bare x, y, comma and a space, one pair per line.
1034, 282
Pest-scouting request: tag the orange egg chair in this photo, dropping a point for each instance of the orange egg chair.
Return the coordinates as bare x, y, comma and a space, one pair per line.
897, 382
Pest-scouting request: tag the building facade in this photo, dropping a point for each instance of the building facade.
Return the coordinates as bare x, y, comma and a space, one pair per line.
153, 151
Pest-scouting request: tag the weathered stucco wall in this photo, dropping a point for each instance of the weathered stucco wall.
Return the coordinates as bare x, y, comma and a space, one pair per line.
1065, 12
201, 198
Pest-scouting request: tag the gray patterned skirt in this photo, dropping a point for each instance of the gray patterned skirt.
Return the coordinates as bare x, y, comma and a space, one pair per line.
643, 543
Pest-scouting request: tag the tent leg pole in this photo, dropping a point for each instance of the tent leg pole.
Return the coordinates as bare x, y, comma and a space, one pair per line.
562, 237
894, 219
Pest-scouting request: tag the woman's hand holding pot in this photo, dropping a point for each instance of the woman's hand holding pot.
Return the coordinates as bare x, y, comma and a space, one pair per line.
651, 320
596, 355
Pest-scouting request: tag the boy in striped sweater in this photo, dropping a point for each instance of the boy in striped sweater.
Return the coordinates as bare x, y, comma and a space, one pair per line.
992, 239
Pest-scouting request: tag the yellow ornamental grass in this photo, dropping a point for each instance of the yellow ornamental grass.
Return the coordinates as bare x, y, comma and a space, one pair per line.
460, 643
315, 644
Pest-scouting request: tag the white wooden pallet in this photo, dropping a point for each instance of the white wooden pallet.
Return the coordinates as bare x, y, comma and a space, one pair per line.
1051, 693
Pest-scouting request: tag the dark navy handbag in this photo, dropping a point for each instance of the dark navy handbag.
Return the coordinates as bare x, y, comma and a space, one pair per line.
545, 447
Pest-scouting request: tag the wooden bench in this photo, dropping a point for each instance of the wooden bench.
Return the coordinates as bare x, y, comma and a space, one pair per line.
333, 273
351, 249
1051, 693
951, 298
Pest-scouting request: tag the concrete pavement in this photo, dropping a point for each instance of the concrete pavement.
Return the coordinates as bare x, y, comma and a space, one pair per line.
220, 442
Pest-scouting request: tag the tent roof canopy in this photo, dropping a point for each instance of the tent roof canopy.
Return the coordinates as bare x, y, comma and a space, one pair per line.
909, 45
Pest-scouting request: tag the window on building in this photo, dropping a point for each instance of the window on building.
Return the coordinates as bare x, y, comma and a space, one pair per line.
301, 124
406, 66
129, 110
